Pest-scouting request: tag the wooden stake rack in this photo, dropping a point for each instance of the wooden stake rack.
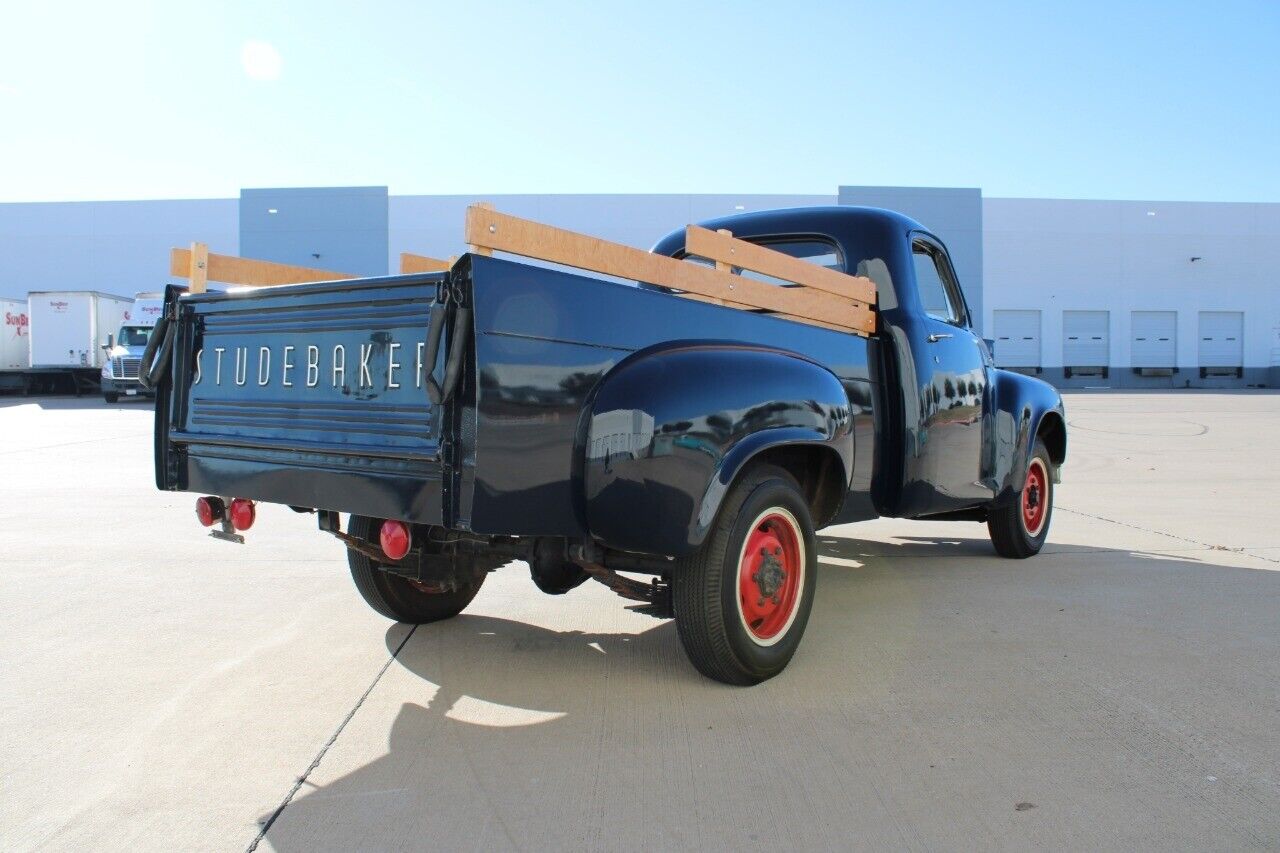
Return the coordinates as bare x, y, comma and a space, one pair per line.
816, 295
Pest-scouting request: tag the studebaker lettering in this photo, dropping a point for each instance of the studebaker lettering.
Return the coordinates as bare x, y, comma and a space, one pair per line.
329, 363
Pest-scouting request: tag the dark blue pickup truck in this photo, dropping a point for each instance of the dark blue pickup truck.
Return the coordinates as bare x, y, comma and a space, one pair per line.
503, 410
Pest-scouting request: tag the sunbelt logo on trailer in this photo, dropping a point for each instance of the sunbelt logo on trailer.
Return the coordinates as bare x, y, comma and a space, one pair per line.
18, 321
59, 306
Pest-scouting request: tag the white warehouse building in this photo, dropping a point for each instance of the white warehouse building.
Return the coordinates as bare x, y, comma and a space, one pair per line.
1082, 293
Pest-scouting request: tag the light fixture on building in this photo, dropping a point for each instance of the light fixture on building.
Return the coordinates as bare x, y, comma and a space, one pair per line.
1195, 258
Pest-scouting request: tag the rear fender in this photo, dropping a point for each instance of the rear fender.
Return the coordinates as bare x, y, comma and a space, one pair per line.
671, 427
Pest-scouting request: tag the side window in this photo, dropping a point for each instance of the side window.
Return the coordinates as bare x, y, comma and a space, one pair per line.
937, 293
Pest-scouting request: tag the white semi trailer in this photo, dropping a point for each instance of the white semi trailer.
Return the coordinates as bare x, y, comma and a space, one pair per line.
69, 331
15, 344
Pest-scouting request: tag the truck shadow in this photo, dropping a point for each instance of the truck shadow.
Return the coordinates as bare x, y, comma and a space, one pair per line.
504, 734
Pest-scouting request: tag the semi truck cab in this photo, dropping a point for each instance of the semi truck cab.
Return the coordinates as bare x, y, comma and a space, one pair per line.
124, 349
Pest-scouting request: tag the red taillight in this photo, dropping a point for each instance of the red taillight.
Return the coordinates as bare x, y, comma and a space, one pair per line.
209, 510
242, 513
395, 539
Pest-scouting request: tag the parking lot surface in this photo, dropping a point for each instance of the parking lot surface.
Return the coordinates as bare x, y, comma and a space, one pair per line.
162, 690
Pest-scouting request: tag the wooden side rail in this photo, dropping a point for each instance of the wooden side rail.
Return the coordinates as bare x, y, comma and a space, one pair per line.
822, 297
723, 248
488, 231
198, 265
410, 263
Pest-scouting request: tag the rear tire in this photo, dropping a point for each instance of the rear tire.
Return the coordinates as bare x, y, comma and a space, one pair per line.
1019, 529
742, 600
396, 597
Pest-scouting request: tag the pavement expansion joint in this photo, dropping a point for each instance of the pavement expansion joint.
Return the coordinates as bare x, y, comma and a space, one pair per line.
315, 762
1207, 545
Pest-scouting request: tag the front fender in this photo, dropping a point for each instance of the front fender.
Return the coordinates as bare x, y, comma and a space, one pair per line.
670, 428
1022, 403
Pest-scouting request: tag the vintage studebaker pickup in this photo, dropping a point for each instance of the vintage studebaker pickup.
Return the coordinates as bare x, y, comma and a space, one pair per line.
694, 424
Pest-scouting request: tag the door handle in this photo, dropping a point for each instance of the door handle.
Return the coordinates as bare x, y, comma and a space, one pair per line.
935, 337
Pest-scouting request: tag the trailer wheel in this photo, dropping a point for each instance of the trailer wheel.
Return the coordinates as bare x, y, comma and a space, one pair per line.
742, 600
1019, 529
396, 597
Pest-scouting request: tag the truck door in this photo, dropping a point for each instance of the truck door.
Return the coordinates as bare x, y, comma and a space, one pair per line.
951, 364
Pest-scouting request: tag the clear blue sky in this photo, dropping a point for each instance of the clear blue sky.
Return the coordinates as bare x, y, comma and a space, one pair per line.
104, 100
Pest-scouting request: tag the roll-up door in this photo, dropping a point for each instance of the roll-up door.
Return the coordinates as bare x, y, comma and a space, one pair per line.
1017, 338
1221, 341
1153, 339
1086, 342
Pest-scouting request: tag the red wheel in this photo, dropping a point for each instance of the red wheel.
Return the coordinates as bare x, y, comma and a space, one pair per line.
1035, 497
771, 570
1020, 525
742, 600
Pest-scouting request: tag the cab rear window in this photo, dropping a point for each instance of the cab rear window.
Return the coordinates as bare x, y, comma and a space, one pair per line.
820, 252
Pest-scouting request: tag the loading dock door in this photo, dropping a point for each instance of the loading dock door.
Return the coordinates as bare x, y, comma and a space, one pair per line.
1017, 338
1153, 339
1086, 339
1222, 339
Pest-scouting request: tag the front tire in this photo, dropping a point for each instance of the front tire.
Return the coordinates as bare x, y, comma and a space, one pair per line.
1019, 528
397, 597
742, 600
111, 398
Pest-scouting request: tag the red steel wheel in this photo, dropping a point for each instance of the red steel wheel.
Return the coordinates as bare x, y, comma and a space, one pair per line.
1019, 525
771, 569
1035, 497
743, 598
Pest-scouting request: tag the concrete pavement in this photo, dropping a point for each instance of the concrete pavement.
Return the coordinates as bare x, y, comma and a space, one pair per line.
160, 690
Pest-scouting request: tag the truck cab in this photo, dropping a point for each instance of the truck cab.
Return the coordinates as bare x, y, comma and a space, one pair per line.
953, 428
124, 349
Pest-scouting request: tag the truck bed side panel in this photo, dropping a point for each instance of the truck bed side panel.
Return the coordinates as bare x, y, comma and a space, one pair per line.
545, 338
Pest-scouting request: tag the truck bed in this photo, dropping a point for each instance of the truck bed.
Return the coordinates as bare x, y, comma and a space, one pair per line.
504, 454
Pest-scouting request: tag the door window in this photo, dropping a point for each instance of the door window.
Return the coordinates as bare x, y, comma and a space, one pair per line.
938, 294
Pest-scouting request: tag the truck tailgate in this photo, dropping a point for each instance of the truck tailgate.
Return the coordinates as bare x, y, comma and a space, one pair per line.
310, 395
